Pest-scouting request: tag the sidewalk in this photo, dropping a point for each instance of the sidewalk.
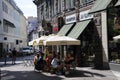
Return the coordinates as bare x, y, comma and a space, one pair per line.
99, 74
117, 74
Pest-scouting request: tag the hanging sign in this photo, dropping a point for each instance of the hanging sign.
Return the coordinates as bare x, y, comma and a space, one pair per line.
71, 18
84, 15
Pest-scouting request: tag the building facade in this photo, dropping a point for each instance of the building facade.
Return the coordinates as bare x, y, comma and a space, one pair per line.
32, 28
13, 24
86, 20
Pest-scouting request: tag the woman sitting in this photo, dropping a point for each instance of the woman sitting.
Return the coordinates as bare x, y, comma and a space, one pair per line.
69, 59
36, 57
55, 64
48, 61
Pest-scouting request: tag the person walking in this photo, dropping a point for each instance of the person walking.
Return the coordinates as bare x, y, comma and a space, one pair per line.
10, 53
14, 55
5, 56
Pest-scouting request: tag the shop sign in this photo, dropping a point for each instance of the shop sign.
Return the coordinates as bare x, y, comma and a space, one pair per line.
84, 15
70, 18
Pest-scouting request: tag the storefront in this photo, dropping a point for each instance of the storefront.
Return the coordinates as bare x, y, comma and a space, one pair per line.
113, 33
105, 11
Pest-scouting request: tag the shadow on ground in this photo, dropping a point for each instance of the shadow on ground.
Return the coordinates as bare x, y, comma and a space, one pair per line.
82, 73
32, 75
26, 75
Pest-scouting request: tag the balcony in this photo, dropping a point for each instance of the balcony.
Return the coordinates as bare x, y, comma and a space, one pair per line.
86, 4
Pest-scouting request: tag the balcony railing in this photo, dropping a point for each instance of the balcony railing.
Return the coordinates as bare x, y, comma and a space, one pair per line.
86, 4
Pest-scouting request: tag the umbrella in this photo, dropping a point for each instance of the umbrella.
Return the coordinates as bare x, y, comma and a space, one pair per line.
116, 38
61, 40
40, 40
33, 42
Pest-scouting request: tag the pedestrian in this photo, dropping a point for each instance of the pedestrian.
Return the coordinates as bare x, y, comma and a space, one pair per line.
5, 56
9, 53
14, 55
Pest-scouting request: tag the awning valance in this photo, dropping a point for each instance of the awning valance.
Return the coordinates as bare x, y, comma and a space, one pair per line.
78, 29
63, 31
100, 5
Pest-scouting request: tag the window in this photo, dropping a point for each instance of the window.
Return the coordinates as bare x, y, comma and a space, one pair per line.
85, 2
70, 4
5, 28
5, 8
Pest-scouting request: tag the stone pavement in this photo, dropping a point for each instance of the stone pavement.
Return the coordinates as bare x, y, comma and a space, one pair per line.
21, 72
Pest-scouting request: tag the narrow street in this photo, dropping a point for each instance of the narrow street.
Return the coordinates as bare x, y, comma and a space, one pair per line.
23, 71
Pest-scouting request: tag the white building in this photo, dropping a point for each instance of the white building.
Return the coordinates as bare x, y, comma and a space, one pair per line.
12, 26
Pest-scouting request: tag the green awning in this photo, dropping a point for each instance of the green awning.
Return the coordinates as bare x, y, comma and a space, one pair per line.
78, 29
63, 31
100, 5
118, 3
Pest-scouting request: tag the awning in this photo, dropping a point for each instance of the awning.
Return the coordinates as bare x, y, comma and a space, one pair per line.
100, 5
61, 40
118, 3
8, 23
78, 29
63, 31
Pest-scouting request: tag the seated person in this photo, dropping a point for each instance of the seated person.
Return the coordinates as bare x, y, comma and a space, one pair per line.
40, 63
48, 61
55, 63
36, 57
69, 59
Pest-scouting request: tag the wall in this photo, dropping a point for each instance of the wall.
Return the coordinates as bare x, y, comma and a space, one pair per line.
23, 31
14, 33
104, 39
1, 18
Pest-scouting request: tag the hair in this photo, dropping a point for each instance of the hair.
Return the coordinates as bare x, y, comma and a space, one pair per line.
37, 55
42, 54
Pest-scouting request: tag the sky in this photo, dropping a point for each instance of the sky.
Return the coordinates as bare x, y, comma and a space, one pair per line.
27, 7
